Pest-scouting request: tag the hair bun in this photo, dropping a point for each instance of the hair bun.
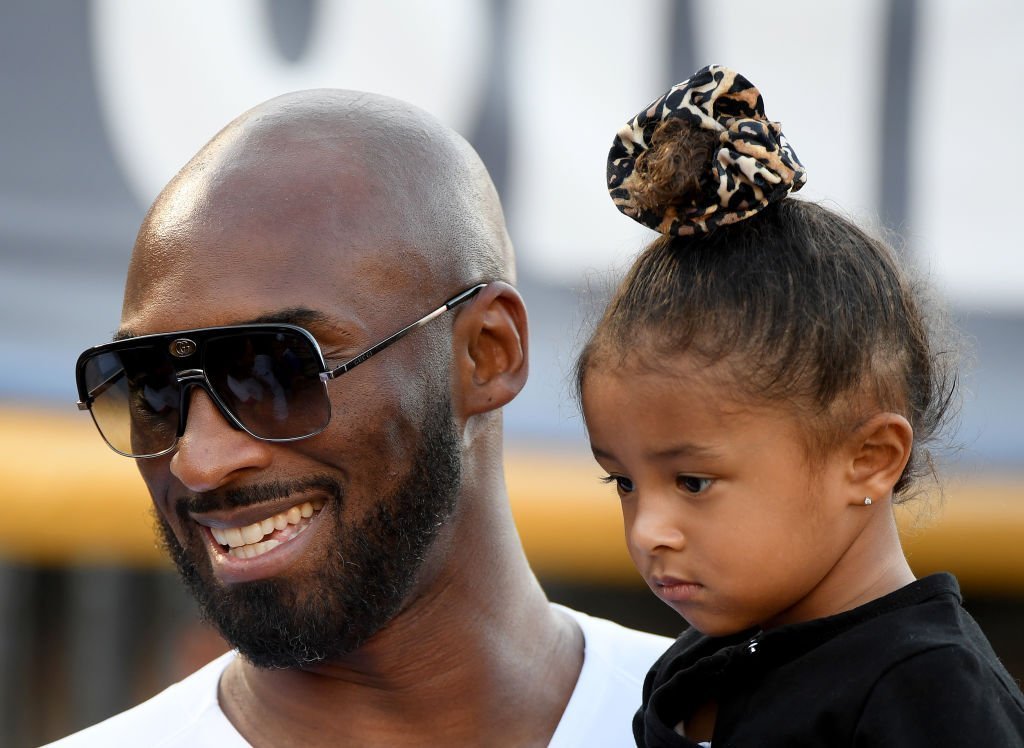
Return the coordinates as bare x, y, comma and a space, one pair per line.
701, 156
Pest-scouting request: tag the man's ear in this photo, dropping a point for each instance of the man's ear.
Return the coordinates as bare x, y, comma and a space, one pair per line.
881, 448
491, 361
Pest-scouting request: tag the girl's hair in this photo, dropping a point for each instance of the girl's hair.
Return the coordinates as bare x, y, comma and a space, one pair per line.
797, 303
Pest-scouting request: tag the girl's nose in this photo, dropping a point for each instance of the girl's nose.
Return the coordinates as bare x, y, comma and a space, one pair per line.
656, 525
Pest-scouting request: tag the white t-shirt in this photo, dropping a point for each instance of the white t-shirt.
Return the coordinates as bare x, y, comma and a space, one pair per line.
599, 713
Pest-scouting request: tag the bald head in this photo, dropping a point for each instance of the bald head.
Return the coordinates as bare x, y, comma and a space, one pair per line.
334, 166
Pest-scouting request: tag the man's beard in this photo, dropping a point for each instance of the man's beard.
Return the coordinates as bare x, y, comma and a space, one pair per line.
364, 582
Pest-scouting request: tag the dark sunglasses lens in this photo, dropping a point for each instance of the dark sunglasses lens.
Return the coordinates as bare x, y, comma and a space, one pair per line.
270, 381
135, 399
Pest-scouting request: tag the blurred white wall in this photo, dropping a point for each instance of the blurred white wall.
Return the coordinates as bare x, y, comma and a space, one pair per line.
169, 75
904, 112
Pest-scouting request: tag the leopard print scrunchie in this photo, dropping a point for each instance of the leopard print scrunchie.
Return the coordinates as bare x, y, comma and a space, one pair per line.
753, 166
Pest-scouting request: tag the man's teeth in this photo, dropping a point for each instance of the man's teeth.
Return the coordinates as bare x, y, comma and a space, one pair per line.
248, 541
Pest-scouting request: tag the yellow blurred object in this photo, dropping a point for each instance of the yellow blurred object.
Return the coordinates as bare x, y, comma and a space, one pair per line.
68, 499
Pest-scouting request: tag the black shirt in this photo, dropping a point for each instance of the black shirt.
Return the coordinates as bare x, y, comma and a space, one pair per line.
909, 669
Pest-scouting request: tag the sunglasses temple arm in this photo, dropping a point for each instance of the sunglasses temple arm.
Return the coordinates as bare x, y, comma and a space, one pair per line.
369, 352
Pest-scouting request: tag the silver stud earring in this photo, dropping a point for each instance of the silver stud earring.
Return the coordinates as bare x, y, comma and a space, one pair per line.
867, 501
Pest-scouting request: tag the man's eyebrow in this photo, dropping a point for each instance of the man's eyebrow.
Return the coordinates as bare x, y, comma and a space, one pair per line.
311, 319
301, 316
321, 326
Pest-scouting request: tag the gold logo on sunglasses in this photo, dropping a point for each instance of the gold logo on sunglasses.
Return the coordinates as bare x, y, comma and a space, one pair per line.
182, 348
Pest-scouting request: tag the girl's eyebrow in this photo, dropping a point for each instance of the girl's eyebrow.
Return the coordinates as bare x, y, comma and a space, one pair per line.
685, 449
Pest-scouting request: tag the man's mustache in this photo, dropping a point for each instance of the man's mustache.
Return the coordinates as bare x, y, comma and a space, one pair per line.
235, 498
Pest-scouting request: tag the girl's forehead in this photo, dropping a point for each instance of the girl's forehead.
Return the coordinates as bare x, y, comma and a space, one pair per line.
655, 416
688, 395
611, 396
666, 376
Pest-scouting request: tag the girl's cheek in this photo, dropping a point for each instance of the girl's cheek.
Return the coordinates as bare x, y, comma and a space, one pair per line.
628, 525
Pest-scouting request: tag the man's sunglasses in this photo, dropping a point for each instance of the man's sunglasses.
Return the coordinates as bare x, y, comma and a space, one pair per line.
269, 380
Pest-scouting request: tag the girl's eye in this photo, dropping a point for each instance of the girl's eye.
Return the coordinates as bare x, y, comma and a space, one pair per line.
622, 484
693, 484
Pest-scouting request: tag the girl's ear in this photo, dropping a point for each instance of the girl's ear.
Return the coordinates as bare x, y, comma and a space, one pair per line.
491, 359
881, 451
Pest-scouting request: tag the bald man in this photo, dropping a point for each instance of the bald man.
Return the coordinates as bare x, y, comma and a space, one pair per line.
320, 327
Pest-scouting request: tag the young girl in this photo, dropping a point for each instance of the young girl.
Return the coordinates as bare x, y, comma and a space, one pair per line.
759, 391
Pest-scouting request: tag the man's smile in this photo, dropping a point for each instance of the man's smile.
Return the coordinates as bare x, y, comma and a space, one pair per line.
257, 538
258, 542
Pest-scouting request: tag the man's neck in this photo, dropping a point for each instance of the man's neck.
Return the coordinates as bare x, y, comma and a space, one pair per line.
479, 656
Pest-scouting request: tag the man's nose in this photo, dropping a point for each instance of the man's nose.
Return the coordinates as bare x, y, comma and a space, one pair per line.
211, 451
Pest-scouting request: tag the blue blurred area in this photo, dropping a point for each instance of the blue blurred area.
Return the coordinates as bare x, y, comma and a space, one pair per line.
69, 210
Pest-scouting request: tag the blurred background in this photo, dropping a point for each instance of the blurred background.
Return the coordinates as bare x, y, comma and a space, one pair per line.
901, 110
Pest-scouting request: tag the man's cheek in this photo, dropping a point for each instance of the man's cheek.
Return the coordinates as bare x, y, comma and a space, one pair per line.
157, 477
177, 534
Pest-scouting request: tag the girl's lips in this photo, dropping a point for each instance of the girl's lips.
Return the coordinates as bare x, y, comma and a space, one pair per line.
674, 590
